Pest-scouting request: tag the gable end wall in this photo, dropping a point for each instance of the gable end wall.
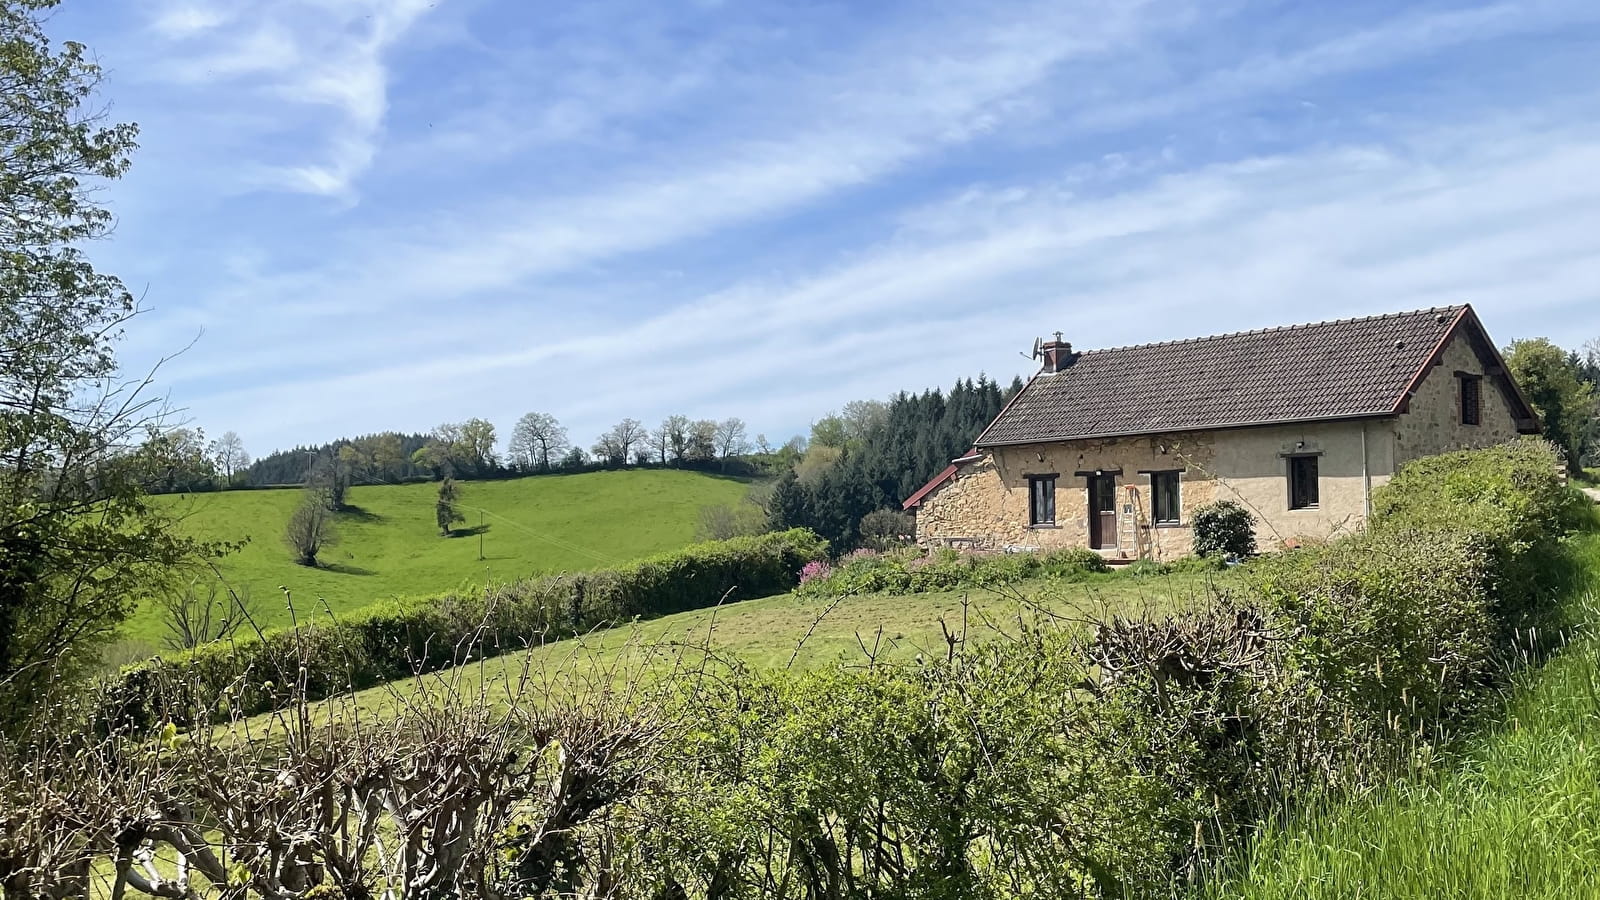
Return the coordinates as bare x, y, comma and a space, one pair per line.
1433, 423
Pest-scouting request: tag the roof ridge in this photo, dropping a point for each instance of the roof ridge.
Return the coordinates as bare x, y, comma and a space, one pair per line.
1456, 310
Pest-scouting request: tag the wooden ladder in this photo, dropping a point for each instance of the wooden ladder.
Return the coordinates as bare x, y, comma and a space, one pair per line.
1134, 528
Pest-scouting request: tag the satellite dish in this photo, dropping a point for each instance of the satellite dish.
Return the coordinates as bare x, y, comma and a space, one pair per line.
1038, 347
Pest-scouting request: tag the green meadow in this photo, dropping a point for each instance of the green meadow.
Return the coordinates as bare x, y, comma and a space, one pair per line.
389, 545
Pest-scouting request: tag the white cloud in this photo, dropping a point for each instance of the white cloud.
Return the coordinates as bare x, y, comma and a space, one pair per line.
303, 56
491, 291
1501, 216
182, 20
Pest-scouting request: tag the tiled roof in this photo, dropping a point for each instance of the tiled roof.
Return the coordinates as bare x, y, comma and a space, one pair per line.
1345, 369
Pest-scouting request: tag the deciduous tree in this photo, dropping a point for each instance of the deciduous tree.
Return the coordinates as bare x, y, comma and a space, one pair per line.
731, 440
229, 455
177, 459
69, 424
477, 445
388, 455
538, 441
674, 433
311, 528
1552, 380
703, 440
616, 446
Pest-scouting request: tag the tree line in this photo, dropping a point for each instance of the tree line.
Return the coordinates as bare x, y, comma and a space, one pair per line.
864, 460
469, 449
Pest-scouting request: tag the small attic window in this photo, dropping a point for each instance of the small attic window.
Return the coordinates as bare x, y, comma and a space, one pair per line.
1471, 399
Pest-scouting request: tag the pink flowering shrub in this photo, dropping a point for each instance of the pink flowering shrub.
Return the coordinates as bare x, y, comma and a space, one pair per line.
815, 570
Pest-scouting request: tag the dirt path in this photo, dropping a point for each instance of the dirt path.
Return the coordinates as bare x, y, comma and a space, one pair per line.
1594, 493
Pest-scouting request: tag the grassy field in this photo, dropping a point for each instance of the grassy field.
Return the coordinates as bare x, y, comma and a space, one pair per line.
389, 545
1518, 817
786, 630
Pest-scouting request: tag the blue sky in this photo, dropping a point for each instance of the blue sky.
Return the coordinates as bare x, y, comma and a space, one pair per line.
387, 214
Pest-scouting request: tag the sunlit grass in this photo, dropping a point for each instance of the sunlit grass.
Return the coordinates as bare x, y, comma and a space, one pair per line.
389, 545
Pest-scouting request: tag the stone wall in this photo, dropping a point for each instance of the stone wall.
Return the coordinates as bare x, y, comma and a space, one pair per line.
1433, 423
987, 502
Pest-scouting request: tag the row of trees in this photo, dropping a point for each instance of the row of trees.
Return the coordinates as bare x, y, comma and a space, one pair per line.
538, 443
679, 440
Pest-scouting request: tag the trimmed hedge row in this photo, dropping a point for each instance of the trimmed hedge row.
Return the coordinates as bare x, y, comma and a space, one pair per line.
400, 638
914, 571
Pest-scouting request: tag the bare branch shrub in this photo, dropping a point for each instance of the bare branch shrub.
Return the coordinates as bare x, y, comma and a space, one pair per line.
201, 613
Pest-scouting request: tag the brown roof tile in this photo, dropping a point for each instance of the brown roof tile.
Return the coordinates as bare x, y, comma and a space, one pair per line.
1345, 369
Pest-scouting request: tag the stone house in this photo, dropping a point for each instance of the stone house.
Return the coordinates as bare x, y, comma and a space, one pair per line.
1115, 449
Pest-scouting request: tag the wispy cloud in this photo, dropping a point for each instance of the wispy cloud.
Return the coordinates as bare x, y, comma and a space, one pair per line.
767, 209
1341, 231
303, 56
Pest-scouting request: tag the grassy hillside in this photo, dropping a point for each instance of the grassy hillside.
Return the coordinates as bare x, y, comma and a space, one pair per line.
1519, 816
773, 631
390, 546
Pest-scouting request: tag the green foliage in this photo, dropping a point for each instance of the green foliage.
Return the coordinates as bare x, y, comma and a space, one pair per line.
310, 528
873, 455
1511, 498
882, 529
399, 638
912, 571
979, 776
1553, 381
1516, 814
80, 544
445, 513
1224, 528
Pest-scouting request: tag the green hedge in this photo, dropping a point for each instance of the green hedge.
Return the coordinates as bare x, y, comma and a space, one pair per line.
399, 638
914, 571
1393, 636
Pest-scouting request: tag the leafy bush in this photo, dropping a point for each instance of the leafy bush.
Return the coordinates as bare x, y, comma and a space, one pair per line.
1224, 528
399, 638
1512, 497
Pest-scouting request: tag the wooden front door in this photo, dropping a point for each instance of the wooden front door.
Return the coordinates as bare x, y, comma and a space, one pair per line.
1103, 512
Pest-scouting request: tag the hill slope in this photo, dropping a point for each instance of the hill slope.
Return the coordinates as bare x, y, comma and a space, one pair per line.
389, 545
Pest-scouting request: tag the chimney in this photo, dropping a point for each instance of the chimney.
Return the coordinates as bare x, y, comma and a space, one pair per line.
1057, 354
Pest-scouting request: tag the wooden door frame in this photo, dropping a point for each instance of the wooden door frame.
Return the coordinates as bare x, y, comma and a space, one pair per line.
1098, 537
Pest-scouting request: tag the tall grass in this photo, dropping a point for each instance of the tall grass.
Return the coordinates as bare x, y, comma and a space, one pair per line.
1517, 815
